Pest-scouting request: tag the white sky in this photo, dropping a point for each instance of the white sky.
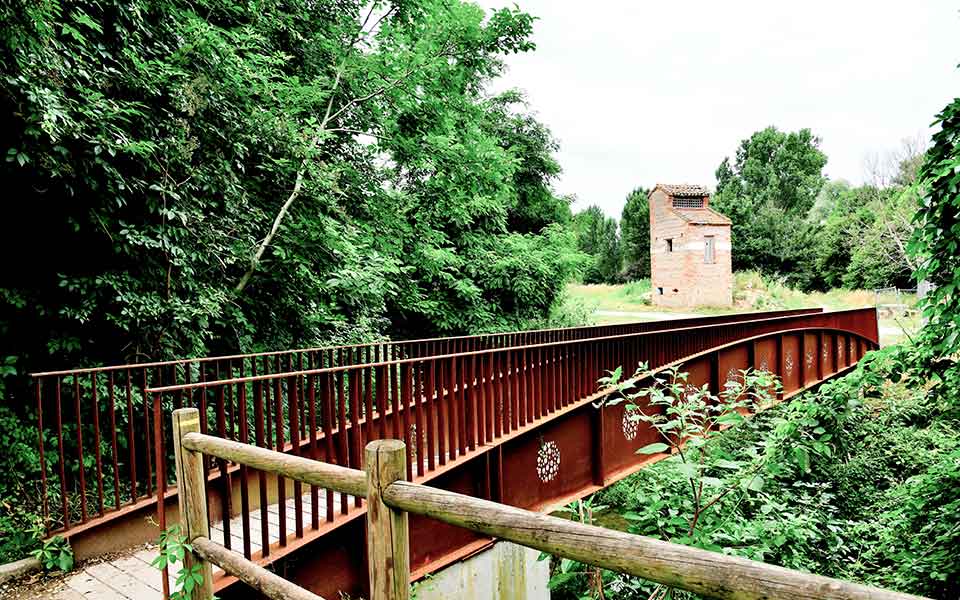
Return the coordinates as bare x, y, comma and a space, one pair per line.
640, 92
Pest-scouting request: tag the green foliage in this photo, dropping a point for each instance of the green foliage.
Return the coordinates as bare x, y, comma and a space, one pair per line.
21, 530
861, 237
163, 142
21, 525
172, 548
790, 222
935, 244
917, 536
685, 416
635, 235
532, 146
569, 575
55, 554
767, 191
691, 505
860, 482
598, 238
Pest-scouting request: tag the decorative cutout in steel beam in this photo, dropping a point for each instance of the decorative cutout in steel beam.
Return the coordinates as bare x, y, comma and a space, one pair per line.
548, 461
631, 422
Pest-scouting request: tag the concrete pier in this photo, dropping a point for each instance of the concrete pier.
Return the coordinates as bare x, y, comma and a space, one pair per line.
504, 572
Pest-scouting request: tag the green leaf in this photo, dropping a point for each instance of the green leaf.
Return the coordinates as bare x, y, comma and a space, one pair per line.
729, 418
688, 470
654, 448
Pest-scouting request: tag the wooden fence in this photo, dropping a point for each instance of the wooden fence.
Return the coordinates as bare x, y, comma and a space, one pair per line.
390, 498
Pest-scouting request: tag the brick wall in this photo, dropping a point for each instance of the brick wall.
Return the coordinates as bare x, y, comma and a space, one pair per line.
682, 275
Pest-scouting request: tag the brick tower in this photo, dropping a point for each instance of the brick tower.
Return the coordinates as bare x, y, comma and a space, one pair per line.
689, 248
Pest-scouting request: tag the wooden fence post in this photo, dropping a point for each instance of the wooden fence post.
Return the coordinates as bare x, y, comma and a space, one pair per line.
388, 551
192, 497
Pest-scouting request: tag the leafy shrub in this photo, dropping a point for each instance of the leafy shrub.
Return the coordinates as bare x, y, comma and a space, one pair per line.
862, 482
913, 543
55, 554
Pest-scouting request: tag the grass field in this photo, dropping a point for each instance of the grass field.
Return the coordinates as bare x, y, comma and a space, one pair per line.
631, 302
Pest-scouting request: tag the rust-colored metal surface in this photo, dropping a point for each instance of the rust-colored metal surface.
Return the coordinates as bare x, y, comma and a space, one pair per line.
96, 426
507, 417
514, 424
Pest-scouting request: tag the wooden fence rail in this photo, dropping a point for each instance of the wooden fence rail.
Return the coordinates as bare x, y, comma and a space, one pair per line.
389, 498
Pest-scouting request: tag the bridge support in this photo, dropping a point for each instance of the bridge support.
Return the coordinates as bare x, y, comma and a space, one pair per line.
505, 571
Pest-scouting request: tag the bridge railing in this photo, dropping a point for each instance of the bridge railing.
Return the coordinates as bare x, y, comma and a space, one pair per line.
390, 498
443, 407
97, 431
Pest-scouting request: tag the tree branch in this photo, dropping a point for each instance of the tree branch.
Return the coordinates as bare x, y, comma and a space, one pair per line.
327, 118
255, 259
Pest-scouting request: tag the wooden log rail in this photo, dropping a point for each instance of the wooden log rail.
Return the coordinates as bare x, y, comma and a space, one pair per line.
390, 498
122, 477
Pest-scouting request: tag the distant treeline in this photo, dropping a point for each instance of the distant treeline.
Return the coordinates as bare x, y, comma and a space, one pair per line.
789, 221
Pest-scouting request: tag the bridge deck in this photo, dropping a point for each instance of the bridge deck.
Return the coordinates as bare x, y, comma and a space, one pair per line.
125, 577
129, 576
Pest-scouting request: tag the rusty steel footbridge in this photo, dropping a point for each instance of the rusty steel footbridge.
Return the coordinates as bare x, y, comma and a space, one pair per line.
508, 417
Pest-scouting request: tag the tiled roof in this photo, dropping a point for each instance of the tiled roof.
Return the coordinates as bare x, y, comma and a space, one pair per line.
702, 216
684, 190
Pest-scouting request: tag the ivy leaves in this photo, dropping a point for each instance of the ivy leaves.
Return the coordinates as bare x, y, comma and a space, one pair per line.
936, 240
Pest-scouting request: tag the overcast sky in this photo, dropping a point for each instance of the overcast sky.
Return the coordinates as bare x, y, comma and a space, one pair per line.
640, 92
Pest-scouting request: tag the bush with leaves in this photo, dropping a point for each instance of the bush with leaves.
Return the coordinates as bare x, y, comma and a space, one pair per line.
935, 246
859, 484
55, 554
701, 486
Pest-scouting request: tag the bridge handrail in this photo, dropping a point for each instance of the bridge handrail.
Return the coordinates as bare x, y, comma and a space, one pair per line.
390, 498
488, 351
116, 397
386, 343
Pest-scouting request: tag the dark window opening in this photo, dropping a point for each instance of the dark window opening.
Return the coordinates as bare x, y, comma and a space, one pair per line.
669, 245
659, 291
688, 202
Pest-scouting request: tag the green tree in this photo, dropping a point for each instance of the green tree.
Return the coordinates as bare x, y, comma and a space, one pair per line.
861, 242
232, 177
635, 235
767, 191
878, 233
827, 200
534, 204
597, 237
